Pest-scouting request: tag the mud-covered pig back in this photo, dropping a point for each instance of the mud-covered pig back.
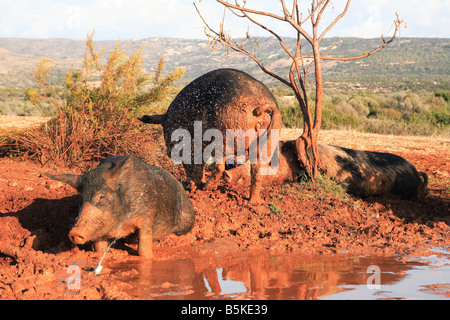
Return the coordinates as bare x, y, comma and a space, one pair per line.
215, 90
221, 99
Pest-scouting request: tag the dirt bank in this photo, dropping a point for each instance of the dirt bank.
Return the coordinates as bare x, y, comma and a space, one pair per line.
37, 213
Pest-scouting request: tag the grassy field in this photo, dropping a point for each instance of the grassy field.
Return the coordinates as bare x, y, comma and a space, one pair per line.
403, 90
351, 138
397, 113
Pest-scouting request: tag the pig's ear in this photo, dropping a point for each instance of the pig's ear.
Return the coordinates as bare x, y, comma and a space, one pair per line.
121, 168
71, 179
126, 166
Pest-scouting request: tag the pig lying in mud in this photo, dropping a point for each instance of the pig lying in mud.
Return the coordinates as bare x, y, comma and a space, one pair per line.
363, 173
223, 100
124, 195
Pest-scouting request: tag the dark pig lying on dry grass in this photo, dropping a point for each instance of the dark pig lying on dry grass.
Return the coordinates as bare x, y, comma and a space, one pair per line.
362, 173
367, 173
223, 99
124, 195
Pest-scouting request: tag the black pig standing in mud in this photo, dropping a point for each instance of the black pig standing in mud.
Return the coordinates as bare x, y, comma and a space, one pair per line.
362, 173
221, 99
124, 195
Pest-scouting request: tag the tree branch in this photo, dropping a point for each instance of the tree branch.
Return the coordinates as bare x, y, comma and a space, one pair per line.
292, 22
339, 17
397, 23
226, 41
280, 40
241, 8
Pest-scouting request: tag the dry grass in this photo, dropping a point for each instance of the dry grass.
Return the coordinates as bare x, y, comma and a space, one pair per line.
345, 138
377, 142
16, 122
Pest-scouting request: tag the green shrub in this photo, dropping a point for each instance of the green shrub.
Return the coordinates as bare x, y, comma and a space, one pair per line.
96, 108
292, 116
326, 187
443, 94
399, 113
442, 117
275, 209
333, 120
364, 105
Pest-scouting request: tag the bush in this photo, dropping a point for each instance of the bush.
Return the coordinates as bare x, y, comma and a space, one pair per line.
444, 94
401, 113
411, 103
337, 116
95, 108
292, 116
442, 117
363, 105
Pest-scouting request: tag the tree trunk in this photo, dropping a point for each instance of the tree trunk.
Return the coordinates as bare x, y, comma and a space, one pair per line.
307, 144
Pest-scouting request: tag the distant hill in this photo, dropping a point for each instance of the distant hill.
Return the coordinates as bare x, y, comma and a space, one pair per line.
411, 63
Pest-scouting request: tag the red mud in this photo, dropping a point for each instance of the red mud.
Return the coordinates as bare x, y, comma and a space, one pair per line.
36, 215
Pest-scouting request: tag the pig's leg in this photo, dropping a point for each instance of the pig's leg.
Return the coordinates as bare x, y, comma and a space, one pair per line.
100, 246
255, 187
255, 174
195, 174
216, 175
145, 247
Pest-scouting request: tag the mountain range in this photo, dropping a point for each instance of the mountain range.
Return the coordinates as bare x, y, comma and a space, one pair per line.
406, 64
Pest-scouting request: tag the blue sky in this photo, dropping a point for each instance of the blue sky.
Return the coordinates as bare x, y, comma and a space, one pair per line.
137, 19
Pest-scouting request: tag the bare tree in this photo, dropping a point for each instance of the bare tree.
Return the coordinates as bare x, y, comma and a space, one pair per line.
298, 72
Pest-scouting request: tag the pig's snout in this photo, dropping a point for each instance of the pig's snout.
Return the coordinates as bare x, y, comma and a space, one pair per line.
77, 237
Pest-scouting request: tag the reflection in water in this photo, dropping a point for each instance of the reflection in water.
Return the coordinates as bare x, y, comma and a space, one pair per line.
263, 276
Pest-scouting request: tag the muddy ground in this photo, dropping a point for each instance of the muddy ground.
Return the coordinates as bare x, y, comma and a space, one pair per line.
36, 215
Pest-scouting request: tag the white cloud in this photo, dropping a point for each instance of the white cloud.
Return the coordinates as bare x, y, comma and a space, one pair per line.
369, 19
125, 19
111, 19
427, 19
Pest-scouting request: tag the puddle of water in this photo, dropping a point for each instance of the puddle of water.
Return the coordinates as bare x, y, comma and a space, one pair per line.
274, 277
